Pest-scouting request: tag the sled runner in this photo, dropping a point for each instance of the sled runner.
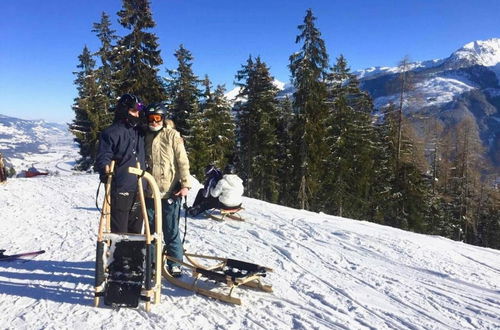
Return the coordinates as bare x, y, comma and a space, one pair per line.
225, 275
221, 214
128, 268
18, 256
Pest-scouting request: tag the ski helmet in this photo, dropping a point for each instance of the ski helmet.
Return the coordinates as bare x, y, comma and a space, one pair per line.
156, 109
129, 101
230, 169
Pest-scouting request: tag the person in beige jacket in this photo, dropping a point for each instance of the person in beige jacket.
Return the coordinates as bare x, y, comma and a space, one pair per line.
167, 161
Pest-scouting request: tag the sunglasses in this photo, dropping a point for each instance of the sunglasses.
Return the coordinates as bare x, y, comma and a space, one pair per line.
155, 118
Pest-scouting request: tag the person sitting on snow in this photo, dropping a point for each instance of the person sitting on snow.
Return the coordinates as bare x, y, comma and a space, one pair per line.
227, 193
3, 170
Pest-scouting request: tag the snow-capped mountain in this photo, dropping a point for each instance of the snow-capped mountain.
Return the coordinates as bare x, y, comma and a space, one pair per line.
463, 85
26, 143
481, 52
232, 95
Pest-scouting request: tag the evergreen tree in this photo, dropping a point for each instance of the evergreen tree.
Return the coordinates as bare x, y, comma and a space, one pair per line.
182, 90
221, 128
257, 124
137, 57
286, 147
308, 69
105, 72
351, 145
88, 110
199, 155
400, 188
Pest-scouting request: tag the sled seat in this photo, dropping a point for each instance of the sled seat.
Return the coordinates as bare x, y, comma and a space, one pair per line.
232, 270
230, 273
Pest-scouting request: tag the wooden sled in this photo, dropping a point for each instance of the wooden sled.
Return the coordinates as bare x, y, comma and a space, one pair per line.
221, 214
151, 288
229, 273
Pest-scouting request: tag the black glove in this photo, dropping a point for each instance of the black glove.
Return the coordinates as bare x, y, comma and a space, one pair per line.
104, 177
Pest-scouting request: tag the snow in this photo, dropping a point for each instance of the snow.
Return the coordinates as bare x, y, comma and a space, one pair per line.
433, 91
480, 52
329, 272
46, 146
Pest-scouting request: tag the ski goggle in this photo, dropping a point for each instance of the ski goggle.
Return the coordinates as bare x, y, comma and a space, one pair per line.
139, 106
155, 118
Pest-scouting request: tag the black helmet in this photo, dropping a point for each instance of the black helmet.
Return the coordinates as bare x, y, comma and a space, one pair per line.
129, 101
229, 169
156, 109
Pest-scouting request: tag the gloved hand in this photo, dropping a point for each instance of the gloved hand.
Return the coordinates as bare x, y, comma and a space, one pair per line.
104, 177
181, 193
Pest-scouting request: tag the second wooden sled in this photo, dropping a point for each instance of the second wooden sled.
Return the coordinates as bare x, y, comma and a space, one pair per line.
225, 275
221, 214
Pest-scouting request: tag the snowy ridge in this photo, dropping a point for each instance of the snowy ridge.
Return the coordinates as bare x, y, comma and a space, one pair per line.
329, 272
47, 146
377, 71
480, 52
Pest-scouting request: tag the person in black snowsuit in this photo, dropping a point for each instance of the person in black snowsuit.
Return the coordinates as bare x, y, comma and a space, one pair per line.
123, 142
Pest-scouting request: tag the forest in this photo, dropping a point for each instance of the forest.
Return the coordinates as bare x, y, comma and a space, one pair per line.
323, 148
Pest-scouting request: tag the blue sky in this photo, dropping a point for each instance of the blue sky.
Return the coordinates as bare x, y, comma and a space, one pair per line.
40, 40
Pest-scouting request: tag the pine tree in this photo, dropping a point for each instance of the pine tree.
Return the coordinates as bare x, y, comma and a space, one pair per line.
213, 131
309, 69
136, 57
257, 124
105, 72
400, 188
286, 147
221, 128
351, 143
88, 110
182, 90
199, 152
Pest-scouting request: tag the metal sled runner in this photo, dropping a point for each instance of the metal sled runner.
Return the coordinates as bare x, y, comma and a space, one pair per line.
120, 288
229, 273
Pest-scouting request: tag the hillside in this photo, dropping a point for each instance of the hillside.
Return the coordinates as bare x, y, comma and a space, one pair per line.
330, 272
47, 146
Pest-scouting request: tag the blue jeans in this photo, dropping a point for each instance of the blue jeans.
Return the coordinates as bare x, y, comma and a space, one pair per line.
170, 227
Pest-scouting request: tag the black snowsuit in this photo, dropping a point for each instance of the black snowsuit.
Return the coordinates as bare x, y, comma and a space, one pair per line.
124, 144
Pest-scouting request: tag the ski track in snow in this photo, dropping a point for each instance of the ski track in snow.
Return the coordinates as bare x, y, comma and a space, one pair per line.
329, 272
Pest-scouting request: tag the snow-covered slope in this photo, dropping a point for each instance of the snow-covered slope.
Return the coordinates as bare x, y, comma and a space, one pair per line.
47, 146
330, 272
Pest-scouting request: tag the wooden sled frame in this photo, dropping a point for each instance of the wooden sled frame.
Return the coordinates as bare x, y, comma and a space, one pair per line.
229, 213
152, 288
218, 274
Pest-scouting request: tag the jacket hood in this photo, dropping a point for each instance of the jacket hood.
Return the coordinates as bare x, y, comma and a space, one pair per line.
233, 179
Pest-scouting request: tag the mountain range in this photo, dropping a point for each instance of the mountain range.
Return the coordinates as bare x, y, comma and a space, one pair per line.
463, 85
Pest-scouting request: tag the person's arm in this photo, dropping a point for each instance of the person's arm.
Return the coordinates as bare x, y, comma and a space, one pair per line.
104, 154
182, 161
219, 187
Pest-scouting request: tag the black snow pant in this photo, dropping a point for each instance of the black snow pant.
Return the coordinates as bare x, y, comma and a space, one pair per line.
126, 214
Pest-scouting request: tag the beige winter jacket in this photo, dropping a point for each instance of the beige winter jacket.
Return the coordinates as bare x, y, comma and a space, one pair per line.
167, 161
